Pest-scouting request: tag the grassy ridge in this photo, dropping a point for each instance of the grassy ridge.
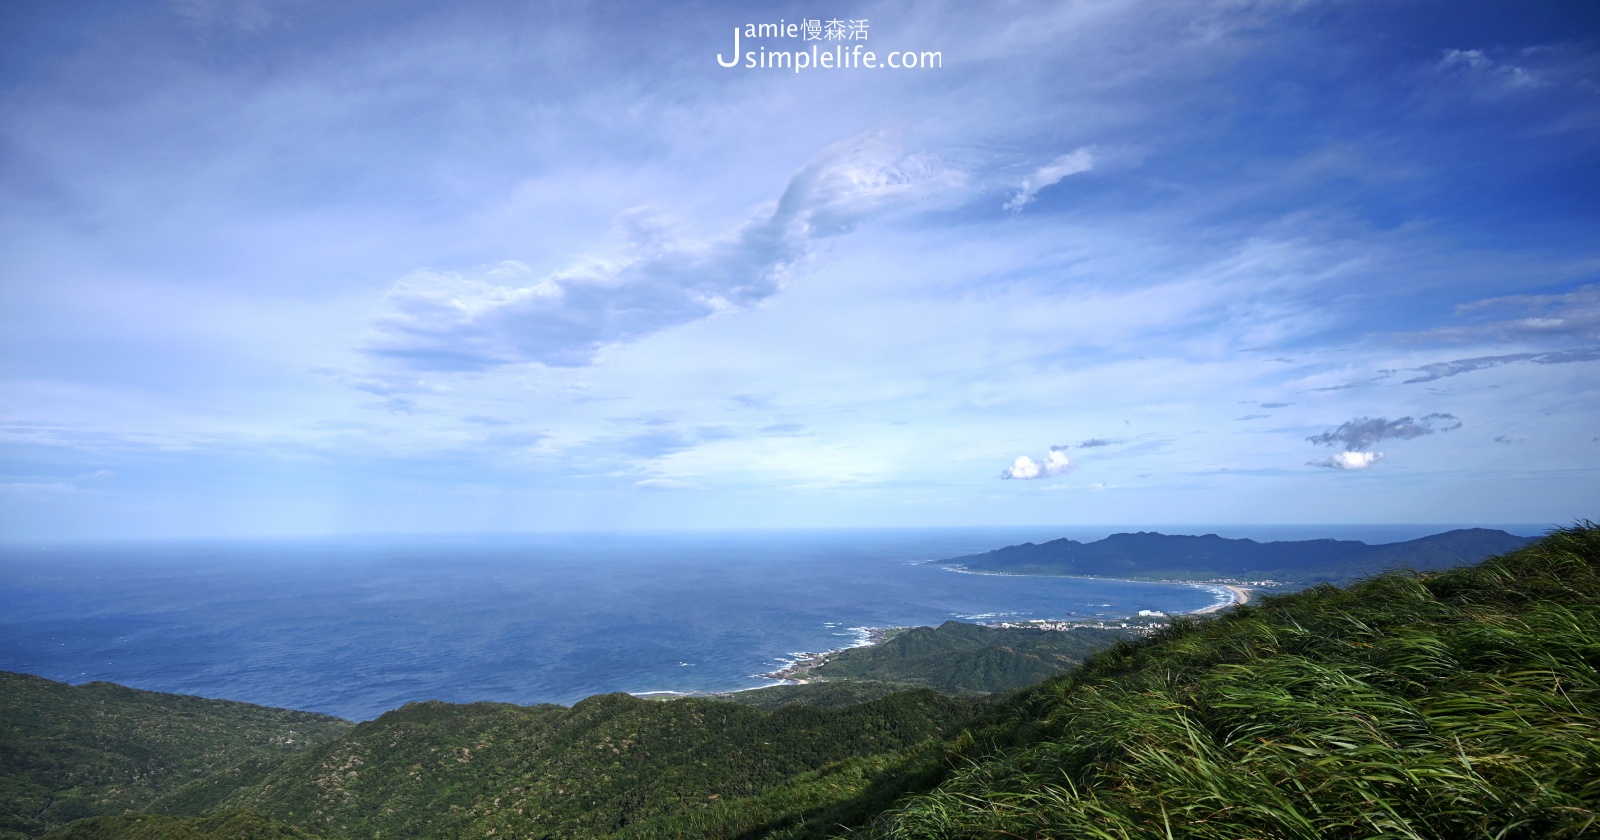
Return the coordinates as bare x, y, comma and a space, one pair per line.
1463, 704
74, 751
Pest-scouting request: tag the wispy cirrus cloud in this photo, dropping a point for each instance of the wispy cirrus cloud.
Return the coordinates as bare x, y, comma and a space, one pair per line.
666, 484
1568, 316
1484, 76
1440, 370
656, 279
398, 390
1072, 163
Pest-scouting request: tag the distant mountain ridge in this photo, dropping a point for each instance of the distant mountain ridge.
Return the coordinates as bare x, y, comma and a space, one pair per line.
1147, 554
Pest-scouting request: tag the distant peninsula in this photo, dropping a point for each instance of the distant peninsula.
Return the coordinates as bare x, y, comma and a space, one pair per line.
1147, 555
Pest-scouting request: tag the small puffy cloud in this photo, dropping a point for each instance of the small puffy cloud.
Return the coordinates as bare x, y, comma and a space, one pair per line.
1276, 405
1071, 163
1348, 460
1093, 442
655, 279
1054, 464
1362, 433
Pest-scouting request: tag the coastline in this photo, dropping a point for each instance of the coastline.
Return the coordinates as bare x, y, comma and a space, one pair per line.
1241, 596
797, 671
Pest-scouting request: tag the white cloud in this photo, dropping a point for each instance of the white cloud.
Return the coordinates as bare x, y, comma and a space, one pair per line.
655, 279
1440, 370
1490, 76
1054, 464
666, 484
1348, 460
1072, 163
1362, 432
1573, 314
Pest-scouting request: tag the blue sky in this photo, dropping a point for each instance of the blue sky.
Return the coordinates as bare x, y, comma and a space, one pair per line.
295, 268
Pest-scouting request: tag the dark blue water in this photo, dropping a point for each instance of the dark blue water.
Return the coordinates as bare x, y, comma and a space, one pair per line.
358, 627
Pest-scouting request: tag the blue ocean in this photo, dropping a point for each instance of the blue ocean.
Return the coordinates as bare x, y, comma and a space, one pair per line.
356, 627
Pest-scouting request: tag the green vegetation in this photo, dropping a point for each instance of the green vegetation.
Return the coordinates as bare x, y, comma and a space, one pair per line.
1152, 556
1463, 704
74, 751
479, 770
969, 659
1458, 704
224, 825
826, 695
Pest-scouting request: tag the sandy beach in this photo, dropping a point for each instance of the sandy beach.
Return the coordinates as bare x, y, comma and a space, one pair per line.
1241, 596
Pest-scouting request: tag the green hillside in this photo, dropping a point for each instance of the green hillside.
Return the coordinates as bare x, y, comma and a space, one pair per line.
827, 695
223, 825
74, 751
482, 770
970, 659
1463, 704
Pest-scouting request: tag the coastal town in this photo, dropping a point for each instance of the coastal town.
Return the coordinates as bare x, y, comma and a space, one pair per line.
798, 671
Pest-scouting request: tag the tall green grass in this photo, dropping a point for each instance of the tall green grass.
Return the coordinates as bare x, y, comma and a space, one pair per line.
1458, 705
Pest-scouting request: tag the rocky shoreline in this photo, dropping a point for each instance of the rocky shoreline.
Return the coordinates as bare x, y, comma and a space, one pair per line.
798, 672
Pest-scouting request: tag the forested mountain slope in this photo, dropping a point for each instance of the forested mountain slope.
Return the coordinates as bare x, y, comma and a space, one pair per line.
73, 751
481, 770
